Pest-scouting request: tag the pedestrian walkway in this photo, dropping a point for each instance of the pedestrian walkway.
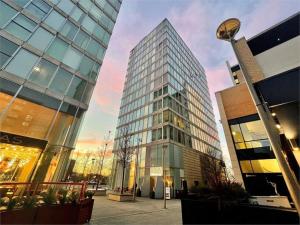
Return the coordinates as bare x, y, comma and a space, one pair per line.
144, 211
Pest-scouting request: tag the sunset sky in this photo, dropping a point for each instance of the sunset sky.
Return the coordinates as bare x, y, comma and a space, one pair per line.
196, 22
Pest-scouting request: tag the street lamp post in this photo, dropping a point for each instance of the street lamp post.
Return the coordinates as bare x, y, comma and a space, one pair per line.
164, 175
136, 168
226, 31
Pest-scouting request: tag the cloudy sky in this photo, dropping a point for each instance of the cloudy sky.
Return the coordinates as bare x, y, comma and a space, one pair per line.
196, 22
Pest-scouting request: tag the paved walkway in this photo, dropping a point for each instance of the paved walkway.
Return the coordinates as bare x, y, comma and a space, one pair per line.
144, 211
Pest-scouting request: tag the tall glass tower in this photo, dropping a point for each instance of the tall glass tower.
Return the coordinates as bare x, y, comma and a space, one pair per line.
51, 52
166, 103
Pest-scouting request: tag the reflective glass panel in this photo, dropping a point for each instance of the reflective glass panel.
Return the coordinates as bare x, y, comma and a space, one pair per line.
58, 49
22, 63
82, 39
7, 48
61, 81
55, 20
6, 13
66, 6
43, 72
40, 39
21, 27
76, 88
69, 30
72, 58
86, 66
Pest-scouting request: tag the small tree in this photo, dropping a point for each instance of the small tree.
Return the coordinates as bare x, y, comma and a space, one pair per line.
213, 169
219, 179
124, 153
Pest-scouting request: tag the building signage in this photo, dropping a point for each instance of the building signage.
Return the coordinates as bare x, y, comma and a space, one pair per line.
156, 171
21, 140
168, 193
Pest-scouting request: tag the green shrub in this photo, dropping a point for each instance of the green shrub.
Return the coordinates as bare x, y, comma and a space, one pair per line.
89, 194
62, 196
49, 197
29, 202
73, 197
12, 203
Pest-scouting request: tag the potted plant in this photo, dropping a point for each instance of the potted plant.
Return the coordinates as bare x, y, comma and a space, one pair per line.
89, 194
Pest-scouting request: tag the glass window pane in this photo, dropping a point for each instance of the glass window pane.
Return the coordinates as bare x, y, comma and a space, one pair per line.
69, 30
86, 66
236, 133
7, 47
6, 13
89, 24
72, 58
93, 47
101, 53
66, 6
87, 93
76, 88
34, 10
58, 49
21, 2
18, 31
40, 39
43, 72
22, 63
95, 71
82, 39
61, 81
77, 15
21, 27
253, 130
25, 22
55, 20
42, 5
86, 4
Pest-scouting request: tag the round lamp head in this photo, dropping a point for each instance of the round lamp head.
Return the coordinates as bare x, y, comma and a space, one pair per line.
228, 29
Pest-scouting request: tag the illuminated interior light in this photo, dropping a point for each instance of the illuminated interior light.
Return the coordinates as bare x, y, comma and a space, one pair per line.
233, 133
278, 126
36, 69
273, 114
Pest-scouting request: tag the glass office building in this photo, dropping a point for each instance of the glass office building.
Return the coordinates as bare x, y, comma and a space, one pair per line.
51, 52
165, 102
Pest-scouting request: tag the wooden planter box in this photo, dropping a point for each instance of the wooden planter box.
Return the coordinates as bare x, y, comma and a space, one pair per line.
18, 216
84, 211
50, 214
56, 214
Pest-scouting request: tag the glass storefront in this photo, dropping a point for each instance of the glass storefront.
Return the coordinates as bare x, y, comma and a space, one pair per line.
17, 162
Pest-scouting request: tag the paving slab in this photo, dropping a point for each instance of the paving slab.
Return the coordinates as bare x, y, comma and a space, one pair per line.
144, 211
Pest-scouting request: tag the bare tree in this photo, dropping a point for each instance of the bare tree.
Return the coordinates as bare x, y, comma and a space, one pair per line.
213, 169
124, 153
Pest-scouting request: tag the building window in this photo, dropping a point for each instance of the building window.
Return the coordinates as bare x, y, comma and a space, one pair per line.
38, 8
22, 63
82, 39
76, 88
61, 81
21, 27
72, 58
7, 48
58, 49
55, 20
66, 6
69, 30
43, 72
6, 13
40, 39
77, 15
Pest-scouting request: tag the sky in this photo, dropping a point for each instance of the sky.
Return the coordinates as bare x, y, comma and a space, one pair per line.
196, 22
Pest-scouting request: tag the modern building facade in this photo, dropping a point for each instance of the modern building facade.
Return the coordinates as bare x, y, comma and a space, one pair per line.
165, 105
51, 52
272, 60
